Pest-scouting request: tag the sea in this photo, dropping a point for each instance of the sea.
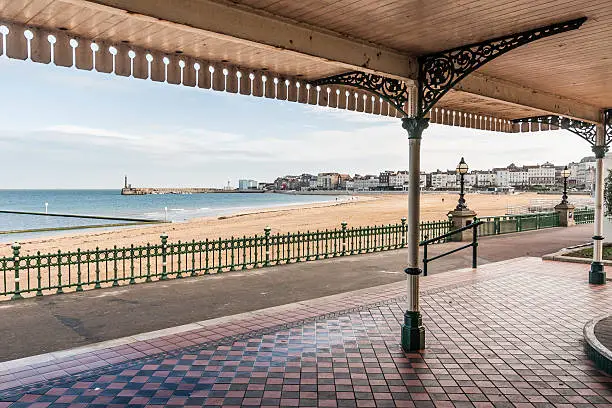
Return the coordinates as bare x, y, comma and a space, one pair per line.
110, 203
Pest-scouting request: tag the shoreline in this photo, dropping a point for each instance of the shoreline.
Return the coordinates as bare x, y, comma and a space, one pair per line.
102, 230
370, 210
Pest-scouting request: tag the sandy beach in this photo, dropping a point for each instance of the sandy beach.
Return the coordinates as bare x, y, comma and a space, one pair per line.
363, 210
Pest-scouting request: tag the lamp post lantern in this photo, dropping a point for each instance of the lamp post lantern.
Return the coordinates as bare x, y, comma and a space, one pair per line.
565, 173
462, 169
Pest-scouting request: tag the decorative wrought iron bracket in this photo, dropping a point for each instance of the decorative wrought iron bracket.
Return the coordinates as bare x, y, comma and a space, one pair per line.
608, 126
440, 72
394, 91
585, 130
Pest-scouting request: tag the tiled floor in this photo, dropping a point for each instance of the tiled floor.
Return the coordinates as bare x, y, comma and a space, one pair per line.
509, 334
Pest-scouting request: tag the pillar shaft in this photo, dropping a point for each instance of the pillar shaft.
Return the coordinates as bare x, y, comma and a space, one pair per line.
597, 274
414, 216
599, 186
413, 332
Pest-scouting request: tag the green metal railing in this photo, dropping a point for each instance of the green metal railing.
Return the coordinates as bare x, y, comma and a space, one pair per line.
517, 223
584, 216
39, 274
474, 244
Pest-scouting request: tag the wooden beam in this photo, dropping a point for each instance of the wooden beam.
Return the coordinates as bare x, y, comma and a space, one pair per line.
243, 25
500, 90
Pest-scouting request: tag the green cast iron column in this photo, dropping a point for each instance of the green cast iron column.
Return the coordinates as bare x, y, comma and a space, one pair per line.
16, 259
597, 275
413, 332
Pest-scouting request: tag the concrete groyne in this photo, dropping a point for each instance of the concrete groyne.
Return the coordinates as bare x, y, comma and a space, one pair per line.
177, 190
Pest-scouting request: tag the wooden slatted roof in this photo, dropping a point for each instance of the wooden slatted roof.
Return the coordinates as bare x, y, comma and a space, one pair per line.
577, 65
569, 74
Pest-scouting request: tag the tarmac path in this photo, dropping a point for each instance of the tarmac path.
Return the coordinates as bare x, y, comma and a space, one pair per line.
51, 323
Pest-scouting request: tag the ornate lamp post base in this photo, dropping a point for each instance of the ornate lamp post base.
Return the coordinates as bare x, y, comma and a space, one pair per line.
597, 275
413, 332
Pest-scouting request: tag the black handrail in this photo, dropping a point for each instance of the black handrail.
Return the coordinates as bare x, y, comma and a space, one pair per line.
473, 244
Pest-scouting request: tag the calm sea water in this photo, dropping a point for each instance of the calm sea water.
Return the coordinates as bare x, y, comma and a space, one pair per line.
180, 207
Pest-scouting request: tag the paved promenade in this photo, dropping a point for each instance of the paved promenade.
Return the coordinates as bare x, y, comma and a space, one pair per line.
52, 323
507, 334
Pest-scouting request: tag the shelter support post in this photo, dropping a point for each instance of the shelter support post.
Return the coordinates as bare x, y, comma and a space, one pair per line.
597, 275
413, 332
438, 73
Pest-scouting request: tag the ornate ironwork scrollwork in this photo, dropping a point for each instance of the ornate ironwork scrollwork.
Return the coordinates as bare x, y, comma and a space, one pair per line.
440, 72
391, 90
608, 125
585, 130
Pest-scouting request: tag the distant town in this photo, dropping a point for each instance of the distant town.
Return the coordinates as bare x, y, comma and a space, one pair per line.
541, 177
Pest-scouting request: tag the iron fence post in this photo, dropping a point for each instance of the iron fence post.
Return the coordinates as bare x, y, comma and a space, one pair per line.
115, 270
148, 266
38, 275
59, 273
267, 241
179, 274
343, 238
97, 284
164, 243
79, 287
16, 247
132, 279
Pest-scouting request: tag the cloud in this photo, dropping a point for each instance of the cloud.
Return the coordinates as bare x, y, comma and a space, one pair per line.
373, 145
83, 131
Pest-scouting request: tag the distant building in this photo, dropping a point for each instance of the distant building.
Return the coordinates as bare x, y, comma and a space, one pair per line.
366, 183
485, 179
328, 181
470, 179
288, 183
502, 177
517, 176
344, 180
383, 178
308, 182
543, 175
398, 180
444, 179
582, 173
247, 185
265, 186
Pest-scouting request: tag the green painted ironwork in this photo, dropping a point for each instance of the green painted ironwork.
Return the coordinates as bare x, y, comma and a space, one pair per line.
528, 222
38, 274
584, 216
447, 236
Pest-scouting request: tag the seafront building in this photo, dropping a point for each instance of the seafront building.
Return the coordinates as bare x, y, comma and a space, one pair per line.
545, 175
247, 185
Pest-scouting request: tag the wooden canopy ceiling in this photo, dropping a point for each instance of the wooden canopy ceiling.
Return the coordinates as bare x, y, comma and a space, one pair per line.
568, 74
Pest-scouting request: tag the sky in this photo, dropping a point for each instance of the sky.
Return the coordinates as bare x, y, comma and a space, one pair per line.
66, 128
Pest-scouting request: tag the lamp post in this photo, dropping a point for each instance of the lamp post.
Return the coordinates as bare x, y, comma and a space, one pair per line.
565, 173
462, 169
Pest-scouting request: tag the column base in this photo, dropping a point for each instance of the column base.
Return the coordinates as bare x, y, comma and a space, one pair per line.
597, 275
413, 332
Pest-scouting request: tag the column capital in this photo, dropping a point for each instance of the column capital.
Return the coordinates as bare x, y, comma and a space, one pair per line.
415, 126
600, 151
